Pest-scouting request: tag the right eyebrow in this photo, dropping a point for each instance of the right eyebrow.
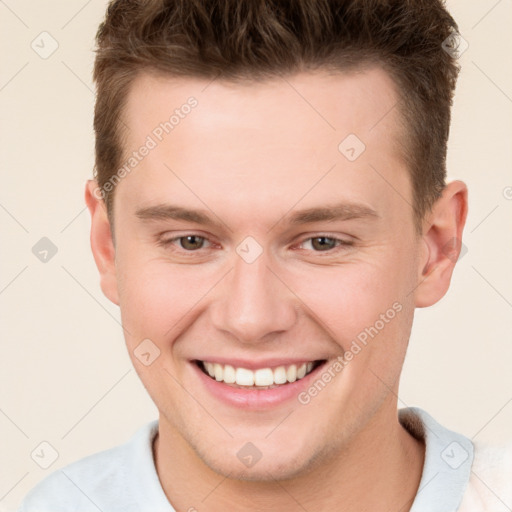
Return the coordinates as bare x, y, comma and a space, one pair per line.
173, 212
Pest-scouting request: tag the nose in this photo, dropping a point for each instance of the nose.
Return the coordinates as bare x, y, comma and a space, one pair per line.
254, 302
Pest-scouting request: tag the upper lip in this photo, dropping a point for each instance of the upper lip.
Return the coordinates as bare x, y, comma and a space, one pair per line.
264, 363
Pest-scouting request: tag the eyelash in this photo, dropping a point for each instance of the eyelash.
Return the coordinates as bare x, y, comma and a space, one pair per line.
340, 243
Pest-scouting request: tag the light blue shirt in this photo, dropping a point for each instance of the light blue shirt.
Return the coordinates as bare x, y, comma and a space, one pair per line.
124, 478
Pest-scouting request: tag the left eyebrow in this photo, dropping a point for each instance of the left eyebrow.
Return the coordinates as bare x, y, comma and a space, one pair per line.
341, 211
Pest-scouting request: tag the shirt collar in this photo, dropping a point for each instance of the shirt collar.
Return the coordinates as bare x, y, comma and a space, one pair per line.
448, 461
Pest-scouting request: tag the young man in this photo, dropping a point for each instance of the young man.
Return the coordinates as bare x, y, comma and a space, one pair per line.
269, 209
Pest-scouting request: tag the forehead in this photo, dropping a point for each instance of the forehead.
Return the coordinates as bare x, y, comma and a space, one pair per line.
322, 105
262, 141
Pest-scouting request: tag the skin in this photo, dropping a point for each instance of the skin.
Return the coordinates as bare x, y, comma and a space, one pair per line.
250, 155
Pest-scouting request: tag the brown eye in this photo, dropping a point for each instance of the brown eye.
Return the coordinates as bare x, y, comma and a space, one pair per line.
191, 242
323, 243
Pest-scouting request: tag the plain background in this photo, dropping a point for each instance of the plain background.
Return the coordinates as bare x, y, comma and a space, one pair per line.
65, 375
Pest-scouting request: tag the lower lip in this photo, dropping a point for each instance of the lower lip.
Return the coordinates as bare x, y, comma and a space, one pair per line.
255, 399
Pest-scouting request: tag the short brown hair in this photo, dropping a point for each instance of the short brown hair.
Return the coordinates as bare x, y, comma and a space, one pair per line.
259, 39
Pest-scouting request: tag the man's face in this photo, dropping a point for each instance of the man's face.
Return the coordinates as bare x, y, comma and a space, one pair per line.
260, 286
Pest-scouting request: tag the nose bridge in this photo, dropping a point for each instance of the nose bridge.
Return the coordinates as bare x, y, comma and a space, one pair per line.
254, 301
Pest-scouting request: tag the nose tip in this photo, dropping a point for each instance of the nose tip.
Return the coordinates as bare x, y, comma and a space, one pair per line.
253, 302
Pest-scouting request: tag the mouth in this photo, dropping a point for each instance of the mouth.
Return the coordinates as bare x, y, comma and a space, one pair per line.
258, 378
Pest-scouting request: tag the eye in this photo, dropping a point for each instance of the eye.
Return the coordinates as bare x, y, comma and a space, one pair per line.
189, 243
324, 243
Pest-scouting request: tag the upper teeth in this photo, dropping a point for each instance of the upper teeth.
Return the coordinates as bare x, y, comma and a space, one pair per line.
261, 377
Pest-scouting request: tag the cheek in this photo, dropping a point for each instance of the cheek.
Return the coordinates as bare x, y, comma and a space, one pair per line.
156, 297
347, 299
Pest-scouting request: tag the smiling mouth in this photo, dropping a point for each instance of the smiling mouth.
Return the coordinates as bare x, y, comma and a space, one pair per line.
261, 378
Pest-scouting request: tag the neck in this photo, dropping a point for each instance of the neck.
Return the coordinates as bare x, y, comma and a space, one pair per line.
379, 471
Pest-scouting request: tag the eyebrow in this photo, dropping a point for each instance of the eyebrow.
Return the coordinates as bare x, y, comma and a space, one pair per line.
343, 211
172, 212
336, 212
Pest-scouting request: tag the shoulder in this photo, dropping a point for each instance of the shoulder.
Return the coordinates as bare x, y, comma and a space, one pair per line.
93, 483
459, 474
75, 486
490, 484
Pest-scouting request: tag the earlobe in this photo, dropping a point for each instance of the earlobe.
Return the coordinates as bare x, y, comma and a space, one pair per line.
102, 244
443, 238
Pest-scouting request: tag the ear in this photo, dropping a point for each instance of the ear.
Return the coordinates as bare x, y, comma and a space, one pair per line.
442, 235
102, 244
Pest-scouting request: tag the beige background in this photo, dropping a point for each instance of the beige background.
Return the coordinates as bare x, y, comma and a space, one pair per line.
65, 376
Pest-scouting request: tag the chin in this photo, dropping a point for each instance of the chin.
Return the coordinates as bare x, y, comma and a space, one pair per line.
275, 464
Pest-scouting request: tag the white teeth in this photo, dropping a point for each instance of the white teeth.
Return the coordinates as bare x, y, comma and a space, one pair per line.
280, 375
244, 377
217, 368
291, 373
263, 377
210, 368
229, 374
